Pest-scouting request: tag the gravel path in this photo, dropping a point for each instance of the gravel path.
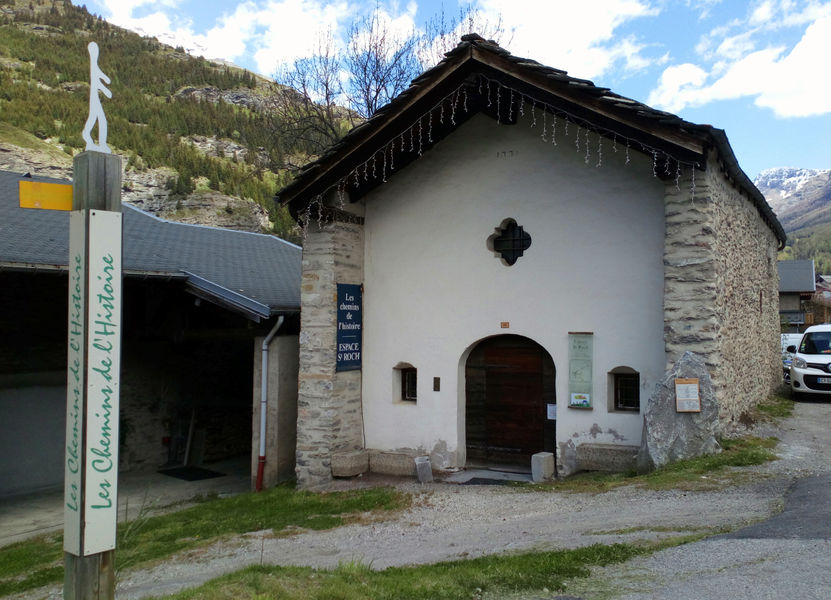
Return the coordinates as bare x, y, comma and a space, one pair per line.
454, 521
788, 556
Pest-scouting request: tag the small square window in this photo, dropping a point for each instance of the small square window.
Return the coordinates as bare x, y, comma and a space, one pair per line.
627, 391
409, 384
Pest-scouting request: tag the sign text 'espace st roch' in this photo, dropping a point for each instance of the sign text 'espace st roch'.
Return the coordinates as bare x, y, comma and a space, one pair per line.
350, 324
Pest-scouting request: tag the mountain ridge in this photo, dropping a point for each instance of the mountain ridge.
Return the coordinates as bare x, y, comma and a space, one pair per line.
194, 135
801, 199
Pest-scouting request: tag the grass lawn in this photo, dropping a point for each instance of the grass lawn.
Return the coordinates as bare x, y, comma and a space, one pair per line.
470, 579
37, 562
696, 474
778, 406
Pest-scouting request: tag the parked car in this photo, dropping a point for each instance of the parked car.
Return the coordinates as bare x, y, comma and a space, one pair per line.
788, 339
811, 364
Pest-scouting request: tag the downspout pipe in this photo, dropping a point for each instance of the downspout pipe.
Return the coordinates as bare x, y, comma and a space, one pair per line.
264, 401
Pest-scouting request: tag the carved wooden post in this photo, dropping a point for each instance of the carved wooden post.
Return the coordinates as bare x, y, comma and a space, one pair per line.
93, 378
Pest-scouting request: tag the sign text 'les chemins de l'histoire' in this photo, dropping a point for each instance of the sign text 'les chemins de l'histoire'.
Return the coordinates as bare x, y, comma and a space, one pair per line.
350, 324
101, 353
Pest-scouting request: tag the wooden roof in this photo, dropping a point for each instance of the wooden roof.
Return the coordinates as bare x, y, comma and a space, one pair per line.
480, 76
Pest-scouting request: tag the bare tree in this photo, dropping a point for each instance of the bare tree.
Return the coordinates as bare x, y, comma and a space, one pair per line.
308, 112
380, 63
442, 33
331, 91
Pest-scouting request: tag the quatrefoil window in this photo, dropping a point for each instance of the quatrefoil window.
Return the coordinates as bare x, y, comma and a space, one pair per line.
509, 241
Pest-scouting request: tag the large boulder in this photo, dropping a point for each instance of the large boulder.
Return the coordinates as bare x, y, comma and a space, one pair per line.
669, 435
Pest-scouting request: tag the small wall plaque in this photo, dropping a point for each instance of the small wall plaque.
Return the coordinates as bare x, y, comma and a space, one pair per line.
687, 397
505, 325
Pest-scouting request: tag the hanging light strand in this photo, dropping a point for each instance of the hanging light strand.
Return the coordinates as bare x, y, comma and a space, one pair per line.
484, 86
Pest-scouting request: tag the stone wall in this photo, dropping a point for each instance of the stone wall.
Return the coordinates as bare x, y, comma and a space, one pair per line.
748, 302
148, 396
329, 415
721, 288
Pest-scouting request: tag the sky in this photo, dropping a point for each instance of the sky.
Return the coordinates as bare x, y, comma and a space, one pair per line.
757, 69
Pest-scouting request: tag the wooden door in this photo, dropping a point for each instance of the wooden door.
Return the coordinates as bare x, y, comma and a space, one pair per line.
506, 398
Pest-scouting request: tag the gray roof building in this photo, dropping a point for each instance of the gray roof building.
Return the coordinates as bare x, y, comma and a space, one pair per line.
797, 276
253, 274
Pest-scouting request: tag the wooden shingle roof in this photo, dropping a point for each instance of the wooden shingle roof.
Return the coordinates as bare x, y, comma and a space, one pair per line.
480, 76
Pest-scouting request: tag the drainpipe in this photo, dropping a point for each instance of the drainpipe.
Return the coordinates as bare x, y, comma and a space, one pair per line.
264, 401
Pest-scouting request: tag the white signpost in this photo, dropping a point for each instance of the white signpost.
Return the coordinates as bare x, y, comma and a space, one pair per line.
93, 367
93, 360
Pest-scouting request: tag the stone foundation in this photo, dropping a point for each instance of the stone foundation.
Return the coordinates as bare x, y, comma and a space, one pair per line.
392, 463
612, 458
350, 463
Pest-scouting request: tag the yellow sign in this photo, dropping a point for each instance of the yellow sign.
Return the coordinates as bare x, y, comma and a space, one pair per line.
49, 196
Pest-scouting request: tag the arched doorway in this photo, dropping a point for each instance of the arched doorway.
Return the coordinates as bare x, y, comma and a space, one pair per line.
509, 380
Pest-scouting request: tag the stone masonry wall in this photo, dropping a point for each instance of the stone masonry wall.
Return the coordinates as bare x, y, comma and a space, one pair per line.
329, 415
721, 288
690, 291
748, 302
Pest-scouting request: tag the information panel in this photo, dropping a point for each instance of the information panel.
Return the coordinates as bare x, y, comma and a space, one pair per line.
687, 397
350, 324
580, 356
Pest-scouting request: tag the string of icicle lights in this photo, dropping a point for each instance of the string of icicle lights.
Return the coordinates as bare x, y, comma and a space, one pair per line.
554, 124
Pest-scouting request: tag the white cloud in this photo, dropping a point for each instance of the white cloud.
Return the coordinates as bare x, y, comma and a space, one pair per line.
762, 13
576, 36
703, 7
276, 31
796, 86
289, 29
748, 59
675, 86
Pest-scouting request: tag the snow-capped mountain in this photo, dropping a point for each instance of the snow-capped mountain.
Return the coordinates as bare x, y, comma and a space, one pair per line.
799, 197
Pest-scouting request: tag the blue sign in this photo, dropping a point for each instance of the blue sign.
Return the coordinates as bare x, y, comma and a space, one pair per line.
350, 324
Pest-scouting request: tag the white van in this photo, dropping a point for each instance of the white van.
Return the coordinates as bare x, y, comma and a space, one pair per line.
811, 363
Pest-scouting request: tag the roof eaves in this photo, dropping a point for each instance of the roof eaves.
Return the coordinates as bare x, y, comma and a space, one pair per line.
222, 296
731, 165
596, 99
374, 127
19, 266
691, 139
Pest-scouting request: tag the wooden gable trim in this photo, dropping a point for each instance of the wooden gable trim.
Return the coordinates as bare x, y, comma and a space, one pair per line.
576, 96
341, 163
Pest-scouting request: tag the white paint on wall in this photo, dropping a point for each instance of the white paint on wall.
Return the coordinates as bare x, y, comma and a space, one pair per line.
432, 289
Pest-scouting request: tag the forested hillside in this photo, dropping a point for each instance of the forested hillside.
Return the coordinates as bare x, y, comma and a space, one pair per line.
801, 199
168, 109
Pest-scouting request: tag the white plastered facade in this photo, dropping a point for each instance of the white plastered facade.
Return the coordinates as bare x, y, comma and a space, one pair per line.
433, 289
